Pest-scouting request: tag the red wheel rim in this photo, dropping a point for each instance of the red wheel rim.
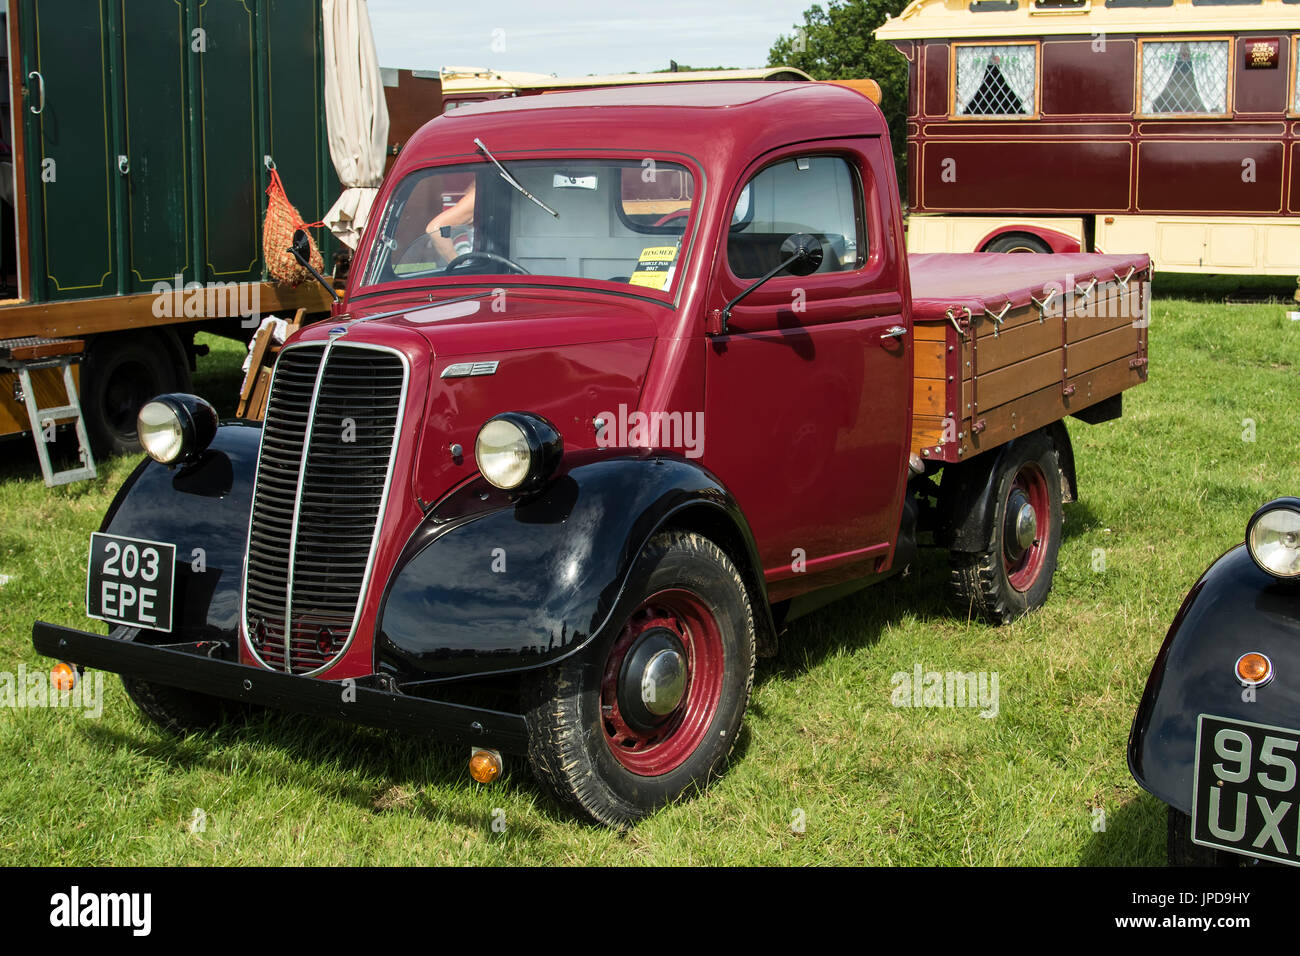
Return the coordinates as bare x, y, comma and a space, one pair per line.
665, 746
1024, 560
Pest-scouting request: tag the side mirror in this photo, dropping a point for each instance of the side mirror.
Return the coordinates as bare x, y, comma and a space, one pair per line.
301, 248
805, 253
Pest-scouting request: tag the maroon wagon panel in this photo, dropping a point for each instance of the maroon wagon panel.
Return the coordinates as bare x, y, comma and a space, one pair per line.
1025, 176
935, 74
1262, 90
1088, 77
1293, 192
1220, 177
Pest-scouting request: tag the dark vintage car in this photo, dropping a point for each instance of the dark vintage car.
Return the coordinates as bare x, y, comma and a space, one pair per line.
1217, 735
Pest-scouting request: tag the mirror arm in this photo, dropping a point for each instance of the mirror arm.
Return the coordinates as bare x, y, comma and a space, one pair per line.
306, 264
726, 309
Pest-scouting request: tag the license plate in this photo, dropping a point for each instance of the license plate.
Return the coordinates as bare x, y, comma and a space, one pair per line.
129, 581
1246, 798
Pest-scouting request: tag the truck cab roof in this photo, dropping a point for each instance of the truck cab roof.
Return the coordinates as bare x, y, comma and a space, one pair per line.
700, 119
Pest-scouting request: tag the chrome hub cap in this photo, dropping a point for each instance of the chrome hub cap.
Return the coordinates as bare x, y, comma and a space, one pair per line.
1022, 525
654, 677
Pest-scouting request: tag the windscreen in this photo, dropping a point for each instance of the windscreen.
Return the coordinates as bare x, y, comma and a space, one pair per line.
609, 220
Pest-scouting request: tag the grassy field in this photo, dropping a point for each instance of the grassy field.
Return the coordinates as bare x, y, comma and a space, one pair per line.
1164, 490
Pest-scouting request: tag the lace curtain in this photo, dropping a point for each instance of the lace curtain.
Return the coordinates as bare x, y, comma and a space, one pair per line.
978, 68
1185, 76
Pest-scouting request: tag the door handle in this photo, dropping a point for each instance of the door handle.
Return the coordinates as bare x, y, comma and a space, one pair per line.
893, 332
38, 110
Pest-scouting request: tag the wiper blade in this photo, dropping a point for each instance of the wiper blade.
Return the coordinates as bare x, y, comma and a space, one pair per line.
511, 180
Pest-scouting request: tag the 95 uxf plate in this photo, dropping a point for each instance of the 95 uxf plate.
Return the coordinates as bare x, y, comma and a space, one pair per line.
1246, 798
129, 581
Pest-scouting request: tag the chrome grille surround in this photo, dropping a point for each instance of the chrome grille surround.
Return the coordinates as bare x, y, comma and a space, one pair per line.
319, 501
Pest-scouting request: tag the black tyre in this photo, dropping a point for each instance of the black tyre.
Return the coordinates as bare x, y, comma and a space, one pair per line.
1183, 852
175, 710
120, 373
651, 711
1018, 242
1012, 573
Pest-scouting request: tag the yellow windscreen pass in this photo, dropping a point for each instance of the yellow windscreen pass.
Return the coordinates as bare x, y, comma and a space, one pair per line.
655, 267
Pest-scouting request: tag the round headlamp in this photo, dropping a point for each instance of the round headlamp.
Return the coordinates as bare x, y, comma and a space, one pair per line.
176, 427
1273, 538
517, 451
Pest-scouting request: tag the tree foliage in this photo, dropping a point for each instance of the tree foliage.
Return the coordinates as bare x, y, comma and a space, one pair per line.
835, 42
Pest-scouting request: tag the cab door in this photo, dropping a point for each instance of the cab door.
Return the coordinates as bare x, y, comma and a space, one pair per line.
808, 393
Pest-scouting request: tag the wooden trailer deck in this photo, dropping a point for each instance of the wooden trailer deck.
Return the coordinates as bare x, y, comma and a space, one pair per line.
1005, 344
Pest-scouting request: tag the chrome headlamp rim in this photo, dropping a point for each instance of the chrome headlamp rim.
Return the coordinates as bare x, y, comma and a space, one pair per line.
194, 419
544, 444
1277, 504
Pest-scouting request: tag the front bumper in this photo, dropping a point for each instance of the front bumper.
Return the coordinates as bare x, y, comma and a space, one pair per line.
191, 670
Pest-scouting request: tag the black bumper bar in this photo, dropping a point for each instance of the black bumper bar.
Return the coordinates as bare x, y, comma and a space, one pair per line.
454, 723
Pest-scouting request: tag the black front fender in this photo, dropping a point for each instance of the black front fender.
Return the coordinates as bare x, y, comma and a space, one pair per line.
1233, 609
487, 585
203, 509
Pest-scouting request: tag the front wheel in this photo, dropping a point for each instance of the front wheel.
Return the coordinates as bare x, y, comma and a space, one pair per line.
652, 710
178, 711
1012, 573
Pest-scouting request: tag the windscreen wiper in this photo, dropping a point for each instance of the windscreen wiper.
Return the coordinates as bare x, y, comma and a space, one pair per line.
511, 180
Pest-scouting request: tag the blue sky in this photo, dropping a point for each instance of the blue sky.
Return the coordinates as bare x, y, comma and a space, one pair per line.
571, 38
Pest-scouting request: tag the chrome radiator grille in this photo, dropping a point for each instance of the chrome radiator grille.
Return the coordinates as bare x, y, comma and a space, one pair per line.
322, 479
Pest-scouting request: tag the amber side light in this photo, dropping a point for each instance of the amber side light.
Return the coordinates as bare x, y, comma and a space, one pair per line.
1254, 668
484, 766
63, 676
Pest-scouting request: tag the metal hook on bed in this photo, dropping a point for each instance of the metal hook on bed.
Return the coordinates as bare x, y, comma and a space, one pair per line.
1088, 291
1044, 303
955, 324
1128, 275
997, 317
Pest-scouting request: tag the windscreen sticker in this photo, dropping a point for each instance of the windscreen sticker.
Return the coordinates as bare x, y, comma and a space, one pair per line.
655, 267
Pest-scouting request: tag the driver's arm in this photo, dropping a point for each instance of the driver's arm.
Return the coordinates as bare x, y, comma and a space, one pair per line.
458, 215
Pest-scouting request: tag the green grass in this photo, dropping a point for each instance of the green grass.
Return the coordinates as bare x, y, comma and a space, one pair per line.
1164, 491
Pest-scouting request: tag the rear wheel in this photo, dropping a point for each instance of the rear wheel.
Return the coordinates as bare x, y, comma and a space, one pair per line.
1018, 242
651, 711
1012, 573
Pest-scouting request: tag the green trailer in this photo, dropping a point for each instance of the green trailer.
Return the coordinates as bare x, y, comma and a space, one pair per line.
143, 135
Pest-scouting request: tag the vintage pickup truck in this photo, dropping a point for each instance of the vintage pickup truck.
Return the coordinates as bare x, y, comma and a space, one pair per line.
623, 382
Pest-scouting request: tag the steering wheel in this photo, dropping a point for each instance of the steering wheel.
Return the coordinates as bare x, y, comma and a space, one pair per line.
510, 264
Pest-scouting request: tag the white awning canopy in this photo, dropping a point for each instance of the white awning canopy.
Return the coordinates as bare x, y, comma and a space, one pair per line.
356, 114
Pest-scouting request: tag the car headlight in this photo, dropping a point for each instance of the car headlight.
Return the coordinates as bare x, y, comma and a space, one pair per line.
517, 450
1273, 537
176, 427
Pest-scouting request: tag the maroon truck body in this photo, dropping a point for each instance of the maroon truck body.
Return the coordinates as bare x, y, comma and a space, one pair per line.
620, 584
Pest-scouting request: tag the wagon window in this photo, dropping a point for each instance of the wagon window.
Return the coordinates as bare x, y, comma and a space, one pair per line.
1185, 77
1295, 92
818, 195
996, 80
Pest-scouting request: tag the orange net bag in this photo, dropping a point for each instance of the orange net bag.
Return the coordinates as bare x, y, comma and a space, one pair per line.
282, 220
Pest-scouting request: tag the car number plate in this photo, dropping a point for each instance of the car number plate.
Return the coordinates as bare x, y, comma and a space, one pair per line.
129, 581
1246, 798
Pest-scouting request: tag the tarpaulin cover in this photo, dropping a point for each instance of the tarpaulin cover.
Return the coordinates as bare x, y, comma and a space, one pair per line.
988, 280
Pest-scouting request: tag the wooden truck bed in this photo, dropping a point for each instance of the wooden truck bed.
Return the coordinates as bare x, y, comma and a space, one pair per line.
1009, 343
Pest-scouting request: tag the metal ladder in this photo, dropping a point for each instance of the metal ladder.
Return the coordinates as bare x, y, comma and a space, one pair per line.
27, 355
